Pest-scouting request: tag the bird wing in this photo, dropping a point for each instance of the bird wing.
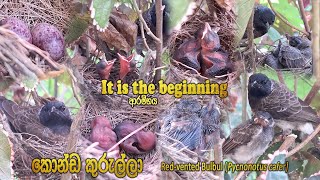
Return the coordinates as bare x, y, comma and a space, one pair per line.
284, 104
241, 135
292, 57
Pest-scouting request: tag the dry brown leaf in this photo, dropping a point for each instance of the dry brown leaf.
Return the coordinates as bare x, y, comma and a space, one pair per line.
127, 28
114, 39
79, 60
226, 4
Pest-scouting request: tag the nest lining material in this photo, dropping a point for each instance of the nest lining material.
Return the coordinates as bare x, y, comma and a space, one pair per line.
223, 21
33, 12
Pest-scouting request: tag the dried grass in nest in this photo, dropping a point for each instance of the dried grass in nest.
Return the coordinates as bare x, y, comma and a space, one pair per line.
224, 21
93, 81
26, 147
20, 57
54, 12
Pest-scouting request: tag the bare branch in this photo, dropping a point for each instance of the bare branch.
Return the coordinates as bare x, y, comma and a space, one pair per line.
285, 21
304, 18
135, 6
159, 30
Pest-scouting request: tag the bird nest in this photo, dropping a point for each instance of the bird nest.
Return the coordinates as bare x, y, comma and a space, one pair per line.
23, 62
222, 20
33, 12
26, 147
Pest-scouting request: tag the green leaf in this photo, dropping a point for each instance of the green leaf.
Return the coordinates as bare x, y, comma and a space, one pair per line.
274, 34
243, 10
312, 166
77, 27
100, 13
5, 83
177, 15
6, 171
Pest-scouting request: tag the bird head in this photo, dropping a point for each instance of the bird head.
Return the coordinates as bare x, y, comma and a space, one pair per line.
54, 113
104, 68
298, 41
126, 64
101, 121
259, 85
264, 15
263, 118
209, 39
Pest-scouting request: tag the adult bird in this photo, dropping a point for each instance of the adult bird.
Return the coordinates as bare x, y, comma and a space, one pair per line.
288, 111
250, 139
47, 122
263, 18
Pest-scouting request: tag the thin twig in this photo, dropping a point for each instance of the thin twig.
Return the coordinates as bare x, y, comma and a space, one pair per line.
305, 142
304, 18
285, 21
316, 37
312, 93
135, 6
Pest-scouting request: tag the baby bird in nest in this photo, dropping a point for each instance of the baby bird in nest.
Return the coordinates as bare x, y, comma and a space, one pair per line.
204, 53
250, 139
47, 122
140, 143
102, 133
190, 124
295, 56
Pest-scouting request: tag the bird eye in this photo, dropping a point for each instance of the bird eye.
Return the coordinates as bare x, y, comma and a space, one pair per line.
62, 108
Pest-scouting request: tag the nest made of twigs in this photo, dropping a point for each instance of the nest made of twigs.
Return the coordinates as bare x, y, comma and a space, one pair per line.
222, 20
56, 12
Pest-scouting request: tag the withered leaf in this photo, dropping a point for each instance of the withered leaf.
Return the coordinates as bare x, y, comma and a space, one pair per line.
127, 28
114, 39
228, 5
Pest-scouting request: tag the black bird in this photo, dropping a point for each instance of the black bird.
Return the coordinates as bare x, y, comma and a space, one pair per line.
150, 18
295, 56
250, 139
47, 122
288, 111
262, 20
183, 123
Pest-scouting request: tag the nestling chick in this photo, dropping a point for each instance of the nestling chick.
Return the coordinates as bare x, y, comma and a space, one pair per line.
288, 111
296, 56
140, 143
46, 122
183, 123
126, 64
250, 139
104, 68
101, 121
188, 52
102, 133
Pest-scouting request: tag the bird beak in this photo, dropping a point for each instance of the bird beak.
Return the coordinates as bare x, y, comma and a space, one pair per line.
104, 73
124, 65
207, 28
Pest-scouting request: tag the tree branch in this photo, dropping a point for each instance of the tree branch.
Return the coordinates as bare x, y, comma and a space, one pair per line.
301, 145
159, 30
315, 37
304, 18
284, 20
312, 93
135, 6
